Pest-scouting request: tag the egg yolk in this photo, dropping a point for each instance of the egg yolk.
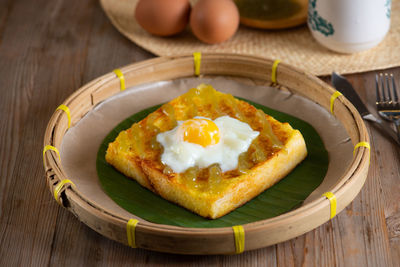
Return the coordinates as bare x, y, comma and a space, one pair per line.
200, 131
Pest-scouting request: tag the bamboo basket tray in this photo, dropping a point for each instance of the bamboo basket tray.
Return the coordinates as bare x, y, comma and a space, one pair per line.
183, 240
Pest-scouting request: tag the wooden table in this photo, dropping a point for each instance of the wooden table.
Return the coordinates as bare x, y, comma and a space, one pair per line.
48, 49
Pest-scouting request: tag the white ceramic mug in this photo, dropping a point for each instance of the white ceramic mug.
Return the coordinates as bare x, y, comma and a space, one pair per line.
349, 26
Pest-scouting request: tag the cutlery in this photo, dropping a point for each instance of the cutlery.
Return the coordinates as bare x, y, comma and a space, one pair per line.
342, 85
387, 100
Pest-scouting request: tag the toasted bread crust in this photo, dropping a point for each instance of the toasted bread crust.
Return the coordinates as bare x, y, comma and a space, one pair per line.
141, 161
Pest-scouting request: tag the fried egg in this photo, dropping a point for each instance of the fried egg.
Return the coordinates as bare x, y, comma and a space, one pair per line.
202, 142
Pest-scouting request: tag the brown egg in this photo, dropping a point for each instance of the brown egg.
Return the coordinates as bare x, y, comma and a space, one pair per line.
163, 17
214, 21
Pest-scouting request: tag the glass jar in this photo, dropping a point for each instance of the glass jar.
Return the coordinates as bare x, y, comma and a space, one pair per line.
272, 14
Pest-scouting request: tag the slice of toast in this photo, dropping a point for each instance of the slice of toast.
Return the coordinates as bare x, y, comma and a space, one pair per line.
208, 192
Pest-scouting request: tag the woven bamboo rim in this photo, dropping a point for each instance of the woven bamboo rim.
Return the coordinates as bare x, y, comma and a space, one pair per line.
182, 240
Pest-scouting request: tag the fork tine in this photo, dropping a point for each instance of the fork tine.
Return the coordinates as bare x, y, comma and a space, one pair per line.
382, 90
389, 95
378, 94
395, 96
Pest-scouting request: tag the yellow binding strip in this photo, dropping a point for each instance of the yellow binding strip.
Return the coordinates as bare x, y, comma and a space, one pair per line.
274, 70
197, 62
60, 188
363, 144
121, 77
66, 109
332, 199
333, 98
130, 231
238, 231
49, 147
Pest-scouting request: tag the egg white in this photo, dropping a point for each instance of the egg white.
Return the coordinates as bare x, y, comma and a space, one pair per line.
235, 138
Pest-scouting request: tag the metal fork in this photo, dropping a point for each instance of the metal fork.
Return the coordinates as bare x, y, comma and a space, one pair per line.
387, 99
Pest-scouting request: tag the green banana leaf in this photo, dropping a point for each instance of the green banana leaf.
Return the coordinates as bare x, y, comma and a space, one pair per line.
284, 196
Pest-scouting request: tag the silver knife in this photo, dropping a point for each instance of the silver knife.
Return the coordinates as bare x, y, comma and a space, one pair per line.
342, 85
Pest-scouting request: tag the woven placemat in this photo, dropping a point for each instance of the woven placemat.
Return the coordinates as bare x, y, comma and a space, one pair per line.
293, 46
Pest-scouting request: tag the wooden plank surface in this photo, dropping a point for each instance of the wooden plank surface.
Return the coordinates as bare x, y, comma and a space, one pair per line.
48, 49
